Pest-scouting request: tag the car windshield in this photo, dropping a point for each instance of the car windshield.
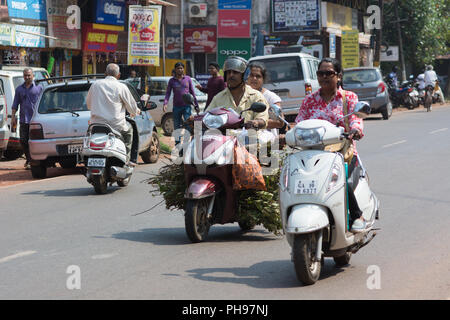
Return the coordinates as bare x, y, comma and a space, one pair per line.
64, 99
283, 69
358, 76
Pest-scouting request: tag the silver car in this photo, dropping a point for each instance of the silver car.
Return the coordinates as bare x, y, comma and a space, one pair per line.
61, 120
368, 84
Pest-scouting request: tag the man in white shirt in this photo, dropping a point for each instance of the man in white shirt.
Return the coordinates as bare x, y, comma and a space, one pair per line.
108, 99
430, 76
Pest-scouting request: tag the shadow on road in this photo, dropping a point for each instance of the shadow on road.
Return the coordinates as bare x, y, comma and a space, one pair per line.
74, 192
177, 236
262, 275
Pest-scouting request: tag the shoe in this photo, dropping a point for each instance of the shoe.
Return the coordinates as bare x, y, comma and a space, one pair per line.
132, 164
359, 225
27, 166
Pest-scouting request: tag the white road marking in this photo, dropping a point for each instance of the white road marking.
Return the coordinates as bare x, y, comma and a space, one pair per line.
104, 256
17, 255
393, 144
439, 130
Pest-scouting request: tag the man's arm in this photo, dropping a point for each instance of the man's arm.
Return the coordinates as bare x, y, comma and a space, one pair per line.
129, 102
168, 92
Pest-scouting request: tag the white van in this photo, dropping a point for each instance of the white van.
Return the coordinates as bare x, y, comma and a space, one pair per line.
289, 75
4, 129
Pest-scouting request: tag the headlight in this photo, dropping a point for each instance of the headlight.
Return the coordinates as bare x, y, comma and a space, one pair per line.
212, 121
309, 137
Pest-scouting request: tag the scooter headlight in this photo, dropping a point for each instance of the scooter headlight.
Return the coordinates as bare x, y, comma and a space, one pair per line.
213, 121
309, 137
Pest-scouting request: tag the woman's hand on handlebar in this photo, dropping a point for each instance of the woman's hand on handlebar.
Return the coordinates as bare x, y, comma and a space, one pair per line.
354, 134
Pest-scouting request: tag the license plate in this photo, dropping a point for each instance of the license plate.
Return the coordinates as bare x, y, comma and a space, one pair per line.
74, 148
97, 162
303, 186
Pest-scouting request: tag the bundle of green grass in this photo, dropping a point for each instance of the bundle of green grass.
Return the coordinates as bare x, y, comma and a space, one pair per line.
255, 207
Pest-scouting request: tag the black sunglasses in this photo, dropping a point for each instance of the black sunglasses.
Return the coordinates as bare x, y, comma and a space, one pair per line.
326, 74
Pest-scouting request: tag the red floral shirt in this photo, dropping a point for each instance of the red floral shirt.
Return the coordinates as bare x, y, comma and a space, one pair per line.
315, 107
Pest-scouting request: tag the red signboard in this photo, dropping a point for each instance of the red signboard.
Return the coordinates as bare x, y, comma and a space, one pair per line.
99, 40
200, 40
234, 24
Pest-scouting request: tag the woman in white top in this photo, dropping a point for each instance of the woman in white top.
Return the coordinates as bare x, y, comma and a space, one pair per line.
256, 79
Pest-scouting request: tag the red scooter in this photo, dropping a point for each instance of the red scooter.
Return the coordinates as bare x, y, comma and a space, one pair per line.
208, 161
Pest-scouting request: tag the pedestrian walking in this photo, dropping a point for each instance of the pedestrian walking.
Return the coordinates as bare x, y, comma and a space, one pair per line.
25, 100
215, 83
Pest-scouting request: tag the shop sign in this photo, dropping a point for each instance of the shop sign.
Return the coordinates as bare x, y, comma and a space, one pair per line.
173, 41
27, 9
110, 12
332, 40
350, 49
200, 40
233, 47
233, 24
143, 35
6, 34
57, 25
27, 38
339, 17
235, 4
100, 40
295, 15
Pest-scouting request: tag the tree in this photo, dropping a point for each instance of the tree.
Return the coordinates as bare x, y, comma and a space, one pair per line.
425, 32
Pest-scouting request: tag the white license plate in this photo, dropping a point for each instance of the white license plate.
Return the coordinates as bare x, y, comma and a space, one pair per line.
303, 186
74, 148
97, 162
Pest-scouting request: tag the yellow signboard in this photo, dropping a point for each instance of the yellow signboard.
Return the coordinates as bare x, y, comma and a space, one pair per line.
143, 35
350, 49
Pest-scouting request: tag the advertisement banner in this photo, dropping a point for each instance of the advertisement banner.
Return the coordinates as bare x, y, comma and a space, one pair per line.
200, 40
350, 49
233, 47
110, 12
143, 35
27, 9
57, 25
25, 36
7, 34
173, 41
295, 15
99, 39
235, 4
233, 24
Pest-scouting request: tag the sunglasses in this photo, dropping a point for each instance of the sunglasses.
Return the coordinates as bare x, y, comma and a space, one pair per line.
326, 74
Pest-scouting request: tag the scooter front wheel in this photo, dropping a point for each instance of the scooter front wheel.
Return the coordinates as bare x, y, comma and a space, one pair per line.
304, 256
196, 219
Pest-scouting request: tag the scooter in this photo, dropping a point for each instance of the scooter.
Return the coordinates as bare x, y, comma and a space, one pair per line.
105, 157
208, 160
405, 95
314, 197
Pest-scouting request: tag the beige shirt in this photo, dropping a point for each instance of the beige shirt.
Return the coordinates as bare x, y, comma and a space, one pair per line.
108, 99
225, 99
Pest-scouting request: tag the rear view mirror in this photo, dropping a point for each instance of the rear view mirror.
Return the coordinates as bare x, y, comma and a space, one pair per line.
362, 109
276, 109
258, 107
151, 105
188, 99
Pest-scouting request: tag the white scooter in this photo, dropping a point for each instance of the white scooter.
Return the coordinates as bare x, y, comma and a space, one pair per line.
314, 198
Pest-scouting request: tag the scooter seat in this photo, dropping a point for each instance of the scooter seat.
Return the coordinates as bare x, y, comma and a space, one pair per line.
104, 128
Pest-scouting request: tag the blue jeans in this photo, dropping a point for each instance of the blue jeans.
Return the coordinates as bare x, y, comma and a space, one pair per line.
180, 114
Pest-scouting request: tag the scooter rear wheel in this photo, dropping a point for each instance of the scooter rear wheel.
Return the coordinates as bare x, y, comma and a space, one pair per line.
196, 220
100, 184
304, 252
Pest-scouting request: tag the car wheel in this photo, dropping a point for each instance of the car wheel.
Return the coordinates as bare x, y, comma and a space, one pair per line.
387, 111
12, 154
151, 155
39, 171
167, 124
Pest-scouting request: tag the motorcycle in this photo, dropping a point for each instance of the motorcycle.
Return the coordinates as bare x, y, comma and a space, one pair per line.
105, 157
314, 197
208, 161
406, 94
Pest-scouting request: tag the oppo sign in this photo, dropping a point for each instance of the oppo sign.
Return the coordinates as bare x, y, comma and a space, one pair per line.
234, 52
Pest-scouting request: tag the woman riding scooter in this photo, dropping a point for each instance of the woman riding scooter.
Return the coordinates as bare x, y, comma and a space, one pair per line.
328, 103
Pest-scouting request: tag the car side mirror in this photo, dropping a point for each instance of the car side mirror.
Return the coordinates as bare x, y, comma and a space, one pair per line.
150, 106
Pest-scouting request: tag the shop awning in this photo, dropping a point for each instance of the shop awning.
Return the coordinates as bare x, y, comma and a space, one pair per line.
162, 3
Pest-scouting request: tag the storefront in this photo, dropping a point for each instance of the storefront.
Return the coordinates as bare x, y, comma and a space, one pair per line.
201, 43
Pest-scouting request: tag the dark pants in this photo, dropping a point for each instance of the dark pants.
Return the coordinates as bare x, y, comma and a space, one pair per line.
355, 211
128, 139
24, 137
180, 114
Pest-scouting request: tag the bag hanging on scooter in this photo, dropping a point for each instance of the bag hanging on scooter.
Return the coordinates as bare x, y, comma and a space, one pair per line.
348, 148
246, 170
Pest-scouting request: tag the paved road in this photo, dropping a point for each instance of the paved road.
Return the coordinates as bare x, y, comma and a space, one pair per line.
55, 229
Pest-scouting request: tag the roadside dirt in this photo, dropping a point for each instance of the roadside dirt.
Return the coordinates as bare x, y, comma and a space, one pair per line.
13, 172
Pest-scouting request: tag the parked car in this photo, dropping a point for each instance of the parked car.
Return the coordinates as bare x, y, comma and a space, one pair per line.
60, 122
9, 81
368, 84
4, 129
39, 73
292, 76
157, 91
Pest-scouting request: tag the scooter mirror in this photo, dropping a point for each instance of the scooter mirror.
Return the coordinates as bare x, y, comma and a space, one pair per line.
258, 107
188, 99
362, 109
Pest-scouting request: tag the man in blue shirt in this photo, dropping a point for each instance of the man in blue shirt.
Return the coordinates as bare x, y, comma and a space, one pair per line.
26, 97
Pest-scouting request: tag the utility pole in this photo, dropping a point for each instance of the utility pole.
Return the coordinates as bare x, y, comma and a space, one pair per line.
378, 37
400, 42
